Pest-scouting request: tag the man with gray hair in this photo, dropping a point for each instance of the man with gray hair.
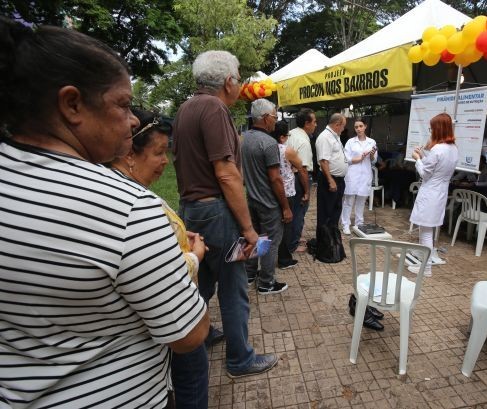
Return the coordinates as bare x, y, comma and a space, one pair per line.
268, 204
207, 159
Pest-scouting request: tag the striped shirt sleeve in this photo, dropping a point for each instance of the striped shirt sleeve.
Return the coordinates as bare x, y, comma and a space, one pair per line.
153, 276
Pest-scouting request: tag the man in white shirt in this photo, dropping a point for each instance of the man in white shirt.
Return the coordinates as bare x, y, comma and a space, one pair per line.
299, 141
333, 168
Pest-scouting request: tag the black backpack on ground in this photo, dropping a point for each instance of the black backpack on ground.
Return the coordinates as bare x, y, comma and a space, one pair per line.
329, 247
311, 245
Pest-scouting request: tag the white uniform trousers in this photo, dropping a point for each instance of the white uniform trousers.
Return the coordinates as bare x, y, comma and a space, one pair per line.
426, 239
347, 209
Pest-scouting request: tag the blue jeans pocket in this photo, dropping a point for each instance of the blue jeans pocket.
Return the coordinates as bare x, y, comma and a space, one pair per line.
205, 219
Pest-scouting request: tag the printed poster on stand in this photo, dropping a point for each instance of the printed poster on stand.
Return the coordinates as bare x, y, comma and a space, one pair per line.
469, 127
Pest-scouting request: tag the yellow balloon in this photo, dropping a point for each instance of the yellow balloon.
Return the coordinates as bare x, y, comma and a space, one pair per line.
472, 29
448, 31
431, 59
472, 54
482, 20
455, 44
429, 32
461, 59
415, 54
425, 47
437, 43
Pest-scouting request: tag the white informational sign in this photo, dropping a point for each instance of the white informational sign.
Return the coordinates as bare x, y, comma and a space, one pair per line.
469, 128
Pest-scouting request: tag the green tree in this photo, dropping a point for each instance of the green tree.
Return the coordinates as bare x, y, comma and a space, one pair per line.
140, 30
226, 25
278, 9
173, 87
215, 24
470, 8
299, 36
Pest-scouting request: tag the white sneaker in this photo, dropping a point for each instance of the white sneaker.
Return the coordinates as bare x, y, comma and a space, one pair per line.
346, 230
415, 270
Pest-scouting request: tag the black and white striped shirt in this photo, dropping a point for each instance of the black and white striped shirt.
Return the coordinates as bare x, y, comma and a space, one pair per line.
92, 286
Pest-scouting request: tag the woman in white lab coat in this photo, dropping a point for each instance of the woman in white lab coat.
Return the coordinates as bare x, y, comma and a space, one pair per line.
435, 164
360, 152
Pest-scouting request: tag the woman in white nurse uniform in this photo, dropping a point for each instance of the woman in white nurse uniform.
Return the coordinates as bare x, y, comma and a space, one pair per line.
435, 165
360, 152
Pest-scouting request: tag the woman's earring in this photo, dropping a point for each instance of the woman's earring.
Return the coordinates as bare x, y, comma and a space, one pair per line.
131, 168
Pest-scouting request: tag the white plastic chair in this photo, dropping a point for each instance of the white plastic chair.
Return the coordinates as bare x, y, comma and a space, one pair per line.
401, 294
478, 308
471, 213
414, 189
375, 186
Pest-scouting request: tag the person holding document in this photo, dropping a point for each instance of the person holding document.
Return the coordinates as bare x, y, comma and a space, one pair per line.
266, 197
207, 160
435, 164
361, 154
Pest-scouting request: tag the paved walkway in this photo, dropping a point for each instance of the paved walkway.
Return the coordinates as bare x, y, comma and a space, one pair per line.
309, 327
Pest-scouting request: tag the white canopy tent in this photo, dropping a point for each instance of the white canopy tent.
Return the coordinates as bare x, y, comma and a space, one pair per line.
406, 29
311, 60
258, 76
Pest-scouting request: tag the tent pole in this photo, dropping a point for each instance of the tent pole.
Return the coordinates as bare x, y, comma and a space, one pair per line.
457, 90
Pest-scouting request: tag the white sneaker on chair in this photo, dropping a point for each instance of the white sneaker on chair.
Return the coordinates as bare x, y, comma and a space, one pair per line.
346, 230
415, 270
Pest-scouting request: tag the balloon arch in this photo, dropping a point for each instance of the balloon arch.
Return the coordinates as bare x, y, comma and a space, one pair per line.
462, 47
257, 89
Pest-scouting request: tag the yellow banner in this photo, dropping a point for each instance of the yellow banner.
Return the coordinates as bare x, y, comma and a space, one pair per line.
384, 72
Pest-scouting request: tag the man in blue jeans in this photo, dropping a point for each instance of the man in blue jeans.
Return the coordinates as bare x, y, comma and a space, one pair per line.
299, 140
207, 159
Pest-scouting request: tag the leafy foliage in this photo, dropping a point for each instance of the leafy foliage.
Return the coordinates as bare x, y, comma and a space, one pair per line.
299, 36
226, 25
135, 28
278, 9
174, 85
470, 8
214, 24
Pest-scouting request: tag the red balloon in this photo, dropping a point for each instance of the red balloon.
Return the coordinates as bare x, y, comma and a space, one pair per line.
485, 56
481, 42
446, 56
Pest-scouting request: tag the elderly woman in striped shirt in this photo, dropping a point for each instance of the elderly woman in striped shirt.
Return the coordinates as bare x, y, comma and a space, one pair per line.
94, 288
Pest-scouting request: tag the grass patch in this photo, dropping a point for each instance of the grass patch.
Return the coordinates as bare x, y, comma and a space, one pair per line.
167, 187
